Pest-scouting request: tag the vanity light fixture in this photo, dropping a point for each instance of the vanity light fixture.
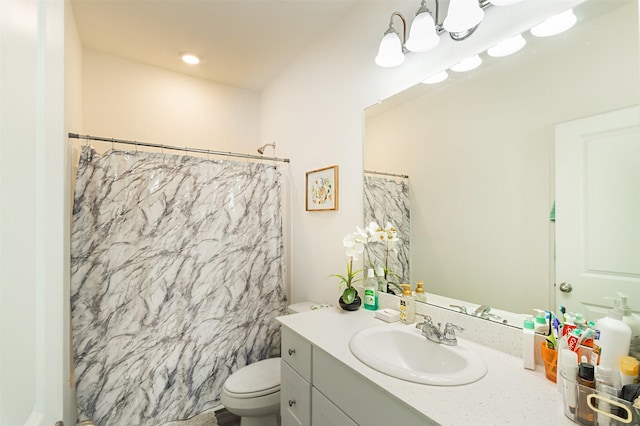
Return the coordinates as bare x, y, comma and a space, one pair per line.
436, 78
555, 25
468, 64
392, 50
463, 17
190, 58
507, 47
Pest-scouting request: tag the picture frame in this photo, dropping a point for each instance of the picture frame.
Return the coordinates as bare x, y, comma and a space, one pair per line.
322, 189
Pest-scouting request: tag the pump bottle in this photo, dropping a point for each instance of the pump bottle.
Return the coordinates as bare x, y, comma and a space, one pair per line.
613, 338
407, 305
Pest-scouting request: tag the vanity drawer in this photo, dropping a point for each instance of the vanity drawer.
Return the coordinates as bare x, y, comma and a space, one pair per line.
295, 398
296, 351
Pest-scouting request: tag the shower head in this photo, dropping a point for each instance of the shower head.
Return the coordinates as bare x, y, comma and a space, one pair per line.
261, 149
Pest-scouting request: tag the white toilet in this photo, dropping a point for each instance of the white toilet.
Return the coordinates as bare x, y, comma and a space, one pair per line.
253, 392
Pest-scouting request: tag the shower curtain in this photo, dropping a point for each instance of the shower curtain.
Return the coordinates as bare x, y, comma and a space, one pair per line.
387, 200
177, 274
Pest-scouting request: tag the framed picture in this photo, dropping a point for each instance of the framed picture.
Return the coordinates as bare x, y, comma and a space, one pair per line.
322, 189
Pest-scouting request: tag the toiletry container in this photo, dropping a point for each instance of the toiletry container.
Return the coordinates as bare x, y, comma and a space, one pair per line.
613, 338
253, 391
628, 370
528, 345
370, 291
633, 321
407, 305
568, 362
420, 294
585, 377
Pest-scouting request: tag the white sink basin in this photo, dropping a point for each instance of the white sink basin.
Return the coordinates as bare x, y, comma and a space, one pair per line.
404, 353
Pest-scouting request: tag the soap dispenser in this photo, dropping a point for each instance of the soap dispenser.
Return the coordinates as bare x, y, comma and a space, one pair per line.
420, 294
613, 338
407, 305
370, 291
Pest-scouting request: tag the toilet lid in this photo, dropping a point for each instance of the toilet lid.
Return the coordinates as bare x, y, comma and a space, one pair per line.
257, 379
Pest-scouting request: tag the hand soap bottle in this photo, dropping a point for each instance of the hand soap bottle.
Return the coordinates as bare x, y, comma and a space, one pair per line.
420, 294
407, 305
613, 339
370, 292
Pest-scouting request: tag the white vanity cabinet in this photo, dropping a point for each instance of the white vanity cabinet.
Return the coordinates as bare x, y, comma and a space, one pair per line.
319, 390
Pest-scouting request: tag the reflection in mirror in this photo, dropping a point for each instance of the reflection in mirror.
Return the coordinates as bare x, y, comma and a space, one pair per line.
479, 149
386, 202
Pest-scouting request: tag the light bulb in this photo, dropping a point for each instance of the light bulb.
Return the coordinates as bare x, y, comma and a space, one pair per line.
436, 78
390, 51
507, 47
190, 58
468, 64
463, 15
555, 25
422, 36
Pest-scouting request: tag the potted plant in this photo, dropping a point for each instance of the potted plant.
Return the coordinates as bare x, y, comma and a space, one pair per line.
354, 244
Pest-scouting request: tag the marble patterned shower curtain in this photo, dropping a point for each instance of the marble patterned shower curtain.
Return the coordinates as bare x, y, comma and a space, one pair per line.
386, 199
177, 274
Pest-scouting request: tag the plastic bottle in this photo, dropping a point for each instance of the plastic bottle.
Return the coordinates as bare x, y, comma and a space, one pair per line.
569, 369
528, 345
613, 338
542, 326
382, 282
585, 378
633, 321
420, 294
628, 370
407, 305
606, 384
370, 291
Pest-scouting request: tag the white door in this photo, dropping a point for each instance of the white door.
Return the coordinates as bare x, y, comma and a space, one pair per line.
34, 216
598, 211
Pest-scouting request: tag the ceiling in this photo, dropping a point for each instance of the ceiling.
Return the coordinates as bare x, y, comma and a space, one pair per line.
243, 43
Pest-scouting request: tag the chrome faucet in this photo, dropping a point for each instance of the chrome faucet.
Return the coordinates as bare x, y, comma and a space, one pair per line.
483, 311
433, 333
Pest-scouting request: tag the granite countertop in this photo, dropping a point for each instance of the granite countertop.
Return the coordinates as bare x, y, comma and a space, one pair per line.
507, 395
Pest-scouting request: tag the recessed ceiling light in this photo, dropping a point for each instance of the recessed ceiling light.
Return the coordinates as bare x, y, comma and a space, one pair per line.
468, 64
507, 47
555, 25
190, 58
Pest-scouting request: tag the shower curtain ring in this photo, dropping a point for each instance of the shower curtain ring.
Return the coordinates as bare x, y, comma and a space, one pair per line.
136, 144
186, 151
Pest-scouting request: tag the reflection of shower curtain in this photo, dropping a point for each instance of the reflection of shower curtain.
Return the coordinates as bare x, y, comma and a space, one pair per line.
387, 200
177, 274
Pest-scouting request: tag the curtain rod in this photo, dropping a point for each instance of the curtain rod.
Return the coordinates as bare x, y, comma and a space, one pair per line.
372, 172
176, 148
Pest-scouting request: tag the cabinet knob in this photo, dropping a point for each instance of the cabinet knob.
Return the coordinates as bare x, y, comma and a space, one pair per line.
291, 352
292, 402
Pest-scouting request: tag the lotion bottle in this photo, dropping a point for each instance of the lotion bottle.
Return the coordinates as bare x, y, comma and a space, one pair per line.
407, 305
613, 339
528, 345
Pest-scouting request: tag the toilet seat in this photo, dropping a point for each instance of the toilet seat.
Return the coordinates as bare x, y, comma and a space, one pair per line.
255, 380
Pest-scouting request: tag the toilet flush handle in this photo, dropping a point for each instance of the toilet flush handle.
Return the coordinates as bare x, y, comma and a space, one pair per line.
291, 351
292, 402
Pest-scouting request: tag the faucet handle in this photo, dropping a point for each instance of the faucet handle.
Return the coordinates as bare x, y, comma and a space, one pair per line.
449, 334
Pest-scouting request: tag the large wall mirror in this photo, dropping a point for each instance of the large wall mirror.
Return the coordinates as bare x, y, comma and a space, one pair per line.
478, 150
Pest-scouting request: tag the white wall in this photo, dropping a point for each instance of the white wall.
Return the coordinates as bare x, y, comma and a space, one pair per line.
130, 100
314, 109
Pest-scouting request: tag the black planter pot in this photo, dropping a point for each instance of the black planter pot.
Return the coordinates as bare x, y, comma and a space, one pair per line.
353, 306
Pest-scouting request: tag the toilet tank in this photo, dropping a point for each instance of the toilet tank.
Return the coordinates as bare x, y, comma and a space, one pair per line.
296, 308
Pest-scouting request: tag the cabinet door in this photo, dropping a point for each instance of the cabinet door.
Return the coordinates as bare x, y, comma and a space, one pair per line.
295, 398
327, 414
